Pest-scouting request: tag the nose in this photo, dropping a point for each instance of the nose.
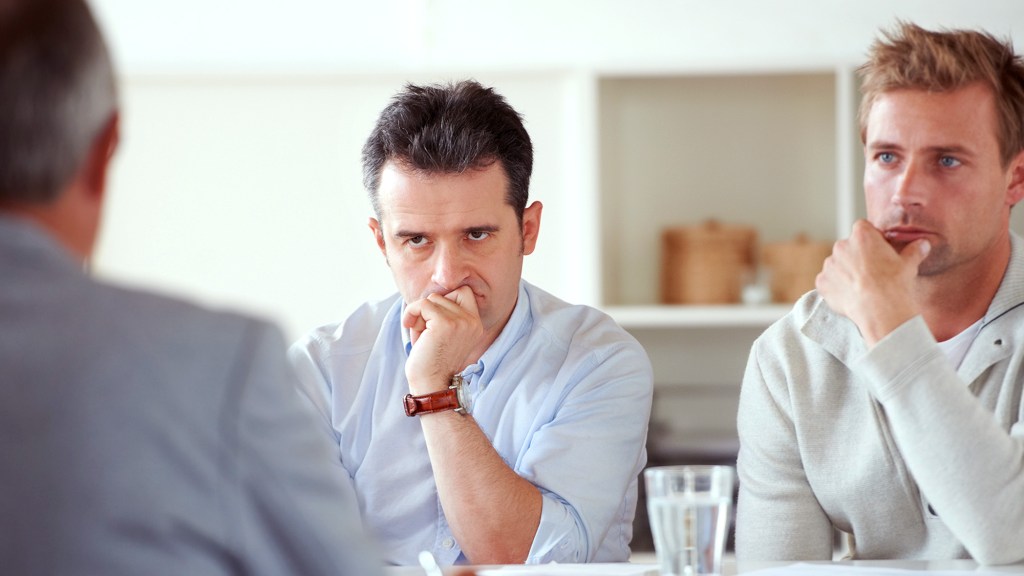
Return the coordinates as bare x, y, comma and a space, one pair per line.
450, 267
911, 189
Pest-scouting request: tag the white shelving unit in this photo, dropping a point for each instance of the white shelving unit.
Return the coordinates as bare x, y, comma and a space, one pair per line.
772, 148
752, 148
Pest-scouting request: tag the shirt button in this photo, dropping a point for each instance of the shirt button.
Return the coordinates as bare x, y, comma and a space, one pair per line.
448, 543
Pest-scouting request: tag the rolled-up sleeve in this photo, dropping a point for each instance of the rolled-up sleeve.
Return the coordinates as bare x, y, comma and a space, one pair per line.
586, 460
559, 537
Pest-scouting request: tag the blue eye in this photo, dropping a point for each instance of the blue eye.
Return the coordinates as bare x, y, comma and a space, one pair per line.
887, 157
479, 235
949, 162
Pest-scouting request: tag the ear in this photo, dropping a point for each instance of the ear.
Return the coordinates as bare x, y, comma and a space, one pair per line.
97, 163
1015, 189
378, 235
531, 226
73, 218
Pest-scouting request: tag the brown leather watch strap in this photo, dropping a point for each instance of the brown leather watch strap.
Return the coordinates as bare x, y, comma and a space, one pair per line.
434, 402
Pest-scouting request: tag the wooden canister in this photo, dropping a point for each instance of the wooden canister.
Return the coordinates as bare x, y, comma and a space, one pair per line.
706, 264
793, 266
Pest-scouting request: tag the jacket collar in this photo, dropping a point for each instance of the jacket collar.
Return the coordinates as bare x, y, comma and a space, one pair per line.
25, 243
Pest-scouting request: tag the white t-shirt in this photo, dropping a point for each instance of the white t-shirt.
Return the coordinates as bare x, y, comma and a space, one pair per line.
957, 346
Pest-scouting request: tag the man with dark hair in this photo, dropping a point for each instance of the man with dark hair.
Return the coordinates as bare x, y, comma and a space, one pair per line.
887, 404
138, 434
476, 416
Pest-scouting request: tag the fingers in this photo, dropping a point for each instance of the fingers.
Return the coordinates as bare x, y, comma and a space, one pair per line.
457, 301
825, 275
458, 307
865, 239
463, 296
867, 243
833, 279
414, 320
868, 281
851, 272
862, 226
445, 329
915, 252
416, 325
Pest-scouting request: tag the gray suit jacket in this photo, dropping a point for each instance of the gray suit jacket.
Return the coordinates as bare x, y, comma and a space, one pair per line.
143, 435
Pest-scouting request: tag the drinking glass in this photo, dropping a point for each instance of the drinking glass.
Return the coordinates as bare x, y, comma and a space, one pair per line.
689, 508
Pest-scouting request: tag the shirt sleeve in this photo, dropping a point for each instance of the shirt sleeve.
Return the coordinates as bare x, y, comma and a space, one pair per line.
314, 391
559, 537
968, 466
311, 382
778, 516
586, 461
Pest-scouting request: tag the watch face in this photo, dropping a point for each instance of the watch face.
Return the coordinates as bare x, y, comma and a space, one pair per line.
465, 400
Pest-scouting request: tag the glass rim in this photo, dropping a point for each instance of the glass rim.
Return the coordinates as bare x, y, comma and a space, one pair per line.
693, 467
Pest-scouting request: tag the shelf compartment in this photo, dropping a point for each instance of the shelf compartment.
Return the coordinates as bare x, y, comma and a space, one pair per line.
757, 149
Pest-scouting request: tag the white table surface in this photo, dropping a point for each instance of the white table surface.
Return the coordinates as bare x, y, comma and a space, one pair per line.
921, 565
731, 567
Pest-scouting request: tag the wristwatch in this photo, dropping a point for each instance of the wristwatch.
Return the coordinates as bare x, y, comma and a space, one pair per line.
451, 398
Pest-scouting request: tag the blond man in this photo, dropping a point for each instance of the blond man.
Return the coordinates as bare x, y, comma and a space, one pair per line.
887, 404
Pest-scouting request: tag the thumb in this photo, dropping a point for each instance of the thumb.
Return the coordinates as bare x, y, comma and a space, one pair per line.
915, 252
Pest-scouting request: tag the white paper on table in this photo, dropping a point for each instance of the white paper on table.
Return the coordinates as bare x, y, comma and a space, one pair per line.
804, 569
554, 569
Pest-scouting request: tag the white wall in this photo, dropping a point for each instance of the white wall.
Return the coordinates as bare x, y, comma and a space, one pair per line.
238, 181
247, 192
328, 35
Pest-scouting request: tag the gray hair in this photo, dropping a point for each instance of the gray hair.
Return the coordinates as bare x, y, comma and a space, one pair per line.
57, 92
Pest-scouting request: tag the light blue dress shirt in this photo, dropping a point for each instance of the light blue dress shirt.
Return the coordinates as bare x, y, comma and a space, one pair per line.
563, 393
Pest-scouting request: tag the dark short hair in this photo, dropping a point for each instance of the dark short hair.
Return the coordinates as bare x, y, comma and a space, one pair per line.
939, 61
448, 129
56, 94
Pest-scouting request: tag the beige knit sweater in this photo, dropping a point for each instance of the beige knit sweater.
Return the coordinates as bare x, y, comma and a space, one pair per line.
892, 447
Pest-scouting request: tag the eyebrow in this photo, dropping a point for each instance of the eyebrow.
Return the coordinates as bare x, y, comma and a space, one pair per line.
488, 229
955, 150
468, 230
407, 234
941, 150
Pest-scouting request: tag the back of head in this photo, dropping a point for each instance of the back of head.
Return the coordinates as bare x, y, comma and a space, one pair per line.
939, 61
57, 91
450, 129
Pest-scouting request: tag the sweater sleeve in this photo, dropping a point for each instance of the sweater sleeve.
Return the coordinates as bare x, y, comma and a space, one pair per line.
778, 516
968, 465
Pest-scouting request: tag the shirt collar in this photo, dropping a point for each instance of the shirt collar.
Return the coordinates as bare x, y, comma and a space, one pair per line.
518, 325
1011, 291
